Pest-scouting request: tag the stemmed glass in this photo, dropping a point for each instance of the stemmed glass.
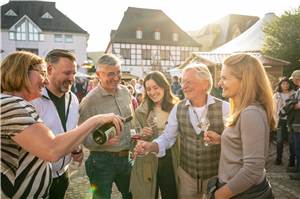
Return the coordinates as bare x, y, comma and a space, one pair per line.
204, 125
136, 134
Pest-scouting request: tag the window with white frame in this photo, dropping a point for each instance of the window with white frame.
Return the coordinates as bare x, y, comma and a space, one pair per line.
21, 31
165, 54
68, 38
175, 36
33, 33
125, 53
146, 54
58, 38
139, 34
11, 35
157, 35
26, 30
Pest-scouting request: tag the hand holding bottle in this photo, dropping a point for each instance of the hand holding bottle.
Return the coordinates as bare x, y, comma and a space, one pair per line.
110, 130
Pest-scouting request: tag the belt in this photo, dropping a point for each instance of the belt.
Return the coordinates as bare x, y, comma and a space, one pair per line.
123, 153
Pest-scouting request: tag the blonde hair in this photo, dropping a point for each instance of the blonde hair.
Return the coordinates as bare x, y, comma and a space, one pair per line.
255, 86
203, 72
15, 68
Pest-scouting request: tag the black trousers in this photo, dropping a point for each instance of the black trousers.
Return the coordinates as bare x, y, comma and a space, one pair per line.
59, 187
166, 177
282, 135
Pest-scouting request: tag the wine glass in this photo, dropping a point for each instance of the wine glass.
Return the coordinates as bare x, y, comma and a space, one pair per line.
136, 134
204, 125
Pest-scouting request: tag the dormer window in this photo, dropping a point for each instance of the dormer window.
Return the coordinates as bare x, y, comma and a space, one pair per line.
10, 12
175, 36
139, 33
47, 16
157, 35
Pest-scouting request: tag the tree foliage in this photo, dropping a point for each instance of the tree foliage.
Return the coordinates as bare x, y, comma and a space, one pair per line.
282, 38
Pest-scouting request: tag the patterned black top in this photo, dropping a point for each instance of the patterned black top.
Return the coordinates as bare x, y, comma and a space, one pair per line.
23, 175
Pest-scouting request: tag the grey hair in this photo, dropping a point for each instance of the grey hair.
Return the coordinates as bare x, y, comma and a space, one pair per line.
202, 71
108, 60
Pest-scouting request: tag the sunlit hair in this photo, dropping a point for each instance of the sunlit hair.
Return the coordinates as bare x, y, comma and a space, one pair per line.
108, 60
168, 100
202, 71
281, 80
255, 86
54, 55
15, 69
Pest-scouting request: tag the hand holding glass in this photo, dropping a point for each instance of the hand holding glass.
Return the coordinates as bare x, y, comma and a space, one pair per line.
136, 135
204, 125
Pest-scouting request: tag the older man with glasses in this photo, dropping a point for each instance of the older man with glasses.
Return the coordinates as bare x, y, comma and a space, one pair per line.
108, 163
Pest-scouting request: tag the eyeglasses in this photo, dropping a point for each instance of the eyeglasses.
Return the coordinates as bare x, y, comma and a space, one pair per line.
43, 73
112, 74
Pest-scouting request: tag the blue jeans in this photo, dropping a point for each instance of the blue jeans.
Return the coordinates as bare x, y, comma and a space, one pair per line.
104, 168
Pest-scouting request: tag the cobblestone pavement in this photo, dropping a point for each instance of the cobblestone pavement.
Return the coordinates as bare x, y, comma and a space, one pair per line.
283, 187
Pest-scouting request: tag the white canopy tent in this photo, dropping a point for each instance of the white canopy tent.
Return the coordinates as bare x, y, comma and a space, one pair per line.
249, 41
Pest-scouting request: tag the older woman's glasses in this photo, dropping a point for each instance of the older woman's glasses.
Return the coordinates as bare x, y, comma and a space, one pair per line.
42, 72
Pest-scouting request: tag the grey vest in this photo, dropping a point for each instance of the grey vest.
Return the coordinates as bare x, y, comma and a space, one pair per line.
198, 160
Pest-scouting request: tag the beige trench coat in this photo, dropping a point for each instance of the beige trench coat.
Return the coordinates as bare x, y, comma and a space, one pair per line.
143, 173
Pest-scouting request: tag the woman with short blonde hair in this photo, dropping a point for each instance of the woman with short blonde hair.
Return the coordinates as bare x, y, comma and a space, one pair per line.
14, 71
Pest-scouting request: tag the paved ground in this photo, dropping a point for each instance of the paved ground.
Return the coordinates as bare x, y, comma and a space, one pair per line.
283, 187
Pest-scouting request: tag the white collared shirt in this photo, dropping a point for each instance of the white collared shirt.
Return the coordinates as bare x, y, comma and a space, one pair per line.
168, 138
48, 113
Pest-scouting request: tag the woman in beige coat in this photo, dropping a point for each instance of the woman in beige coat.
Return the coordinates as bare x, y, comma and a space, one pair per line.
150, 173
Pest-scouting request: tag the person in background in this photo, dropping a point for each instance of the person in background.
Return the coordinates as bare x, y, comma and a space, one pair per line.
58, 107
133, 83
283, 92
133, 99
175, 86
27, 144
293, 104
197, 162
80, 88
92, 84
107, 164
245, 140
139, 87
150, 174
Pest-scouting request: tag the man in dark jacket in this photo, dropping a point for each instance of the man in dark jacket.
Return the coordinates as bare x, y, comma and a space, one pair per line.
293, 112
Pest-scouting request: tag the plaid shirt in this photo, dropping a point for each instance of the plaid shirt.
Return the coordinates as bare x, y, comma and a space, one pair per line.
198, 160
